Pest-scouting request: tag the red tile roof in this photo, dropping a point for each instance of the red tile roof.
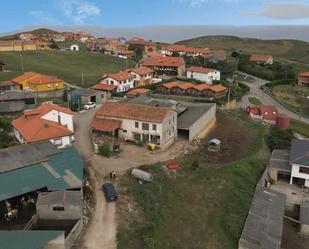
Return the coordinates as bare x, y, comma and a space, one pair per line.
201, 87
142, 70
185, 86
260, 58
120, 76
164, 61
306, 74
34, 128
138, 91
217, 88
45, 79
103, 124
268, 112
201, 70
24, 77
175, 48
132, 112
105, 87
170, 84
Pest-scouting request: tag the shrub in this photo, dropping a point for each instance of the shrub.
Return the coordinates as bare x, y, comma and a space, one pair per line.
279, 138
104, 150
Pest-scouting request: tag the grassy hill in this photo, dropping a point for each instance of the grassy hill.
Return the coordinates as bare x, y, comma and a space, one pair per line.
37, 32
293, 52
64, 64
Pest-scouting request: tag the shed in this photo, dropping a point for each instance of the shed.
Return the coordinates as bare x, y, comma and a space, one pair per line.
74, 47
64, 205
279, 166
264, 223
32, 239
195, 119
87, 95
304, 217
214, 145
7, 86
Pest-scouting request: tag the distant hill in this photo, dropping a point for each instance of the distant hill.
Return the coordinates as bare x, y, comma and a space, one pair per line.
37, 32
290, 51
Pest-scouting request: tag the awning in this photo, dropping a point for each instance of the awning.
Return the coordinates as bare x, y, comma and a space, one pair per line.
105, 125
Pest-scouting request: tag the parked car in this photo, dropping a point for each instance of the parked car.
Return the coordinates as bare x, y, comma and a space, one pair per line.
90, 105
109, 192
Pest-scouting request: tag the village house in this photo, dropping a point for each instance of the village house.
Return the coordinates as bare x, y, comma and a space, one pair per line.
262, 59
123, 80
187, 88
267, 113
12, 101
173, 49
27, 37
303, 79
215, 56
137, 122
207, 75
18, 45
142, 76
169, 66
38, 82
124, 53
48, 122
107, 88
142, 44
56, 37
138, 92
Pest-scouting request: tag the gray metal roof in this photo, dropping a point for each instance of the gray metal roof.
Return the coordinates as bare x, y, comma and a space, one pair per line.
16, 95
144, 99
64, 198
87, 92
12, 106
304, 212
264, 223
299, 153
280, 159
24, 155
192, 114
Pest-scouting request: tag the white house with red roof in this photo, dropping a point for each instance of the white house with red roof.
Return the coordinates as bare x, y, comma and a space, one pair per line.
207, 75
142, 76
123, 80
267, 113
46, 122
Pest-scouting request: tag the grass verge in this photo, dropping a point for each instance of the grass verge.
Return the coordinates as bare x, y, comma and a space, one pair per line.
197, 209
300, 127
254, 101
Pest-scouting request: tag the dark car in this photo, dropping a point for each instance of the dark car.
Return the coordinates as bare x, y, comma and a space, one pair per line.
110, 192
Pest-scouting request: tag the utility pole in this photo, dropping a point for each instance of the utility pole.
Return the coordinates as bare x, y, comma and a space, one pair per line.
22, 62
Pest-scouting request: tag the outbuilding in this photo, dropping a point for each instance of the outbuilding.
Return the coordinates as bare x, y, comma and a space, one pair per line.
74, 47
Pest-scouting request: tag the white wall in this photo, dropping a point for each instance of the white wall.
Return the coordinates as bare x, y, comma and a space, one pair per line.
62, 142
65, 119
208, 78
295, 173
122, 86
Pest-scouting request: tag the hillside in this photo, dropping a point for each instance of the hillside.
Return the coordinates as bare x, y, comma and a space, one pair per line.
290, 51
64, 64
37, 32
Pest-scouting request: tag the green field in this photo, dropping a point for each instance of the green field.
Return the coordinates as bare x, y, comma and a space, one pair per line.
199, 209
64, 64
300, 127
291, 52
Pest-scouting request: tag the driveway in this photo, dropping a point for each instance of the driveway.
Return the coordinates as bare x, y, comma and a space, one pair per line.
265, 98
102, 229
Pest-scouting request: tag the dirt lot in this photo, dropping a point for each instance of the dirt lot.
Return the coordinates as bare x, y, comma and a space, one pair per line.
235, 139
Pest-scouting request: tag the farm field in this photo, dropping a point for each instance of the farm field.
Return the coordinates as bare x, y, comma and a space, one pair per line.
295, 97
64, 64
204, 208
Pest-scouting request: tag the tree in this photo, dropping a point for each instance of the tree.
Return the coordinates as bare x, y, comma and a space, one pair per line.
104, 150
5, 129
279, 138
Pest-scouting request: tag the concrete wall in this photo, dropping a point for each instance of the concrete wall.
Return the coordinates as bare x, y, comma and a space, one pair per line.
295, 173
73, 235
304, 229
202, 123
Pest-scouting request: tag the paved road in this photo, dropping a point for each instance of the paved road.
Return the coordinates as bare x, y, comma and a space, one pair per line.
265, 98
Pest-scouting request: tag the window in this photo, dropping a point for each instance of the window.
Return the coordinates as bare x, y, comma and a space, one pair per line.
154, 127
136, 124
145, 126
58, 208
58, 141
304, 170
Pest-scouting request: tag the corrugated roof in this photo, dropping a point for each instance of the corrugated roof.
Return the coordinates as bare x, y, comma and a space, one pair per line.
65, 198
299, 153
264, 223
304, 212
29, 239
60, 171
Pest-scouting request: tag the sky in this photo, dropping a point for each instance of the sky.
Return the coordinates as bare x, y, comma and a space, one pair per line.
135, 13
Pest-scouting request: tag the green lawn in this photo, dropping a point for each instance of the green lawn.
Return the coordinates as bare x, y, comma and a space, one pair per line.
300, 127
64, 64
254, 101
197, 209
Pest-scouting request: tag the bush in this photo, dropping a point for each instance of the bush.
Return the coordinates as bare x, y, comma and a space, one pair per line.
274, 83
279, 138
104, 150
5, 130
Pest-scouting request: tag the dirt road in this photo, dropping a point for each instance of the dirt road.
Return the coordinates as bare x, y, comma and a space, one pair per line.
102, 229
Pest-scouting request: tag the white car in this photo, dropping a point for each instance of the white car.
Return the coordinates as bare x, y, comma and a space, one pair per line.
90, 105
